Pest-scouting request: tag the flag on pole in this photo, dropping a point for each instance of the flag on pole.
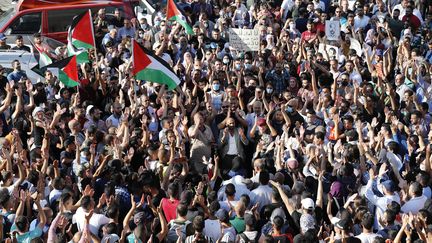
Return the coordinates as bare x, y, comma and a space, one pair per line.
175, 13
151, 68
68, 71
81, 54
81, 32
81, 37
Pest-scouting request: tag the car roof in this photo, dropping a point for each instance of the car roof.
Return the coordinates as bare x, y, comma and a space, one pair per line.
34, 4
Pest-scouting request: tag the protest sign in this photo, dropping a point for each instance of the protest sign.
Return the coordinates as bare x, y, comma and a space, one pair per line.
244, 39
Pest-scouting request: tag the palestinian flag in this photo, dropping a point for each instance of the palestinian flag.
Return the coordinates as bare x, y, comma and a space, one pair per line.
42, 58
152, 68
174, 13
81, 33
81, 54
67, 71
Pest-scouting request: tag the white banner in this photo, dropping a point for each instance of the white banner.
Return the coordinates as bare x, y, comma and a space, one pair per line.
244, 39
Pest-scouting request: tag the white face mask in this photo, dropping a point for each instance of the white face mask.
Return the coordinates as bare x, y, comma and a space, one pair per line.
292, 26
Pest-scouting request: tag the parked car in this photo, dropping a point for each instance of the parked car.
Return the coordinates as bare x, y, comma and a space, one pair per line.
52, 18
29, 64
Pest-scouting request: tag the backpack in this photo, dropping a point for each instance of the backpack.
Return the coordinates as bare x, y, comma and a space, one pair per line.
173, 225
247, 240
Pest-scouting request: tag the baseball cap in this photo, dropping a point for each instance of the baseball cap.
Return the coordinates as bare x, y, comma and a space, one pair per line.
343, 224
308, 203
89, 109
2, 37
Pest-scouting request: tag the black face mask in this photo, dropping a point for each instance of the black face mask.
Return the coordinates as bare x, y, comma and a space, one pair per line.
251, 88
344, 83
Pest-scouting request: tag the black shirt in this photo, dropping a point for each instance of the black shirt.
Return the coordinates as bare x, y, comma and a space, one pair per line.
22, 48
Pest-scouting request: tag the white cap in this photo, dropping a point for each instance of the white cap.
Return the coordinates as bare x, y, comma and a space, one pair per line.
308, 203
88, 109
36, 110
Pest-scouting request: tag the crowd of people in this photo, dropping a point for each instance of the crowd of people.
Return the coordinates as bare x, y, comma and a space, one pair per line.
290, 143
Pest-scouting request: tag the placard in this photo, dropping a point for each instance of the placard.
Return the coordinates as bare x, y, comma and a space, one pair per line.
332, 51
244, 39
332, 30
355, 45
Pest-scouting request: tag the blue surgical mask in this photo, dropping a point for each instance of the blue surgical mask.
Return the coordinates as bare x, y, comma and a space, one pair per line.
238, 67
248, 66
289, 109
216, 86
269, 90
157, 23
225, 61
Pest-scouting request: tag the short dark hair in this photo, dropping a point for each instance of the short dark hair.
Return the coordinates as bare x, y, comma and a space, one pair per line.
182, 210
198, 223
264, 177
367, 221
230, 189
86, 202
19, 37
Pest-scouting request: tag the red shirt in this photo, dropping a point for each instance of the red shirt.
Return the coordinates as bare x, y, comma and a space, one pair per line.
308, 35
412, 20
320, 27
169, 208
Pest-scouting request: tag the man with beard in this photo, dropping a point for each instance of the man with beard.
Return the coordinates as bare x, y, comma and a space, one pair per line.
114, 119
93, 118
231, 146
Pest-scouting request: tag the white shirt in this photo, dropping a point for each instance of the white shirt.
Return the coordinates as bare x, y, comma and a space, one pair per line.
361, 22
212, 229
261, 195
115, 122
226, 206
414, 205
355, 76
96, 221
367, 237
232, 146
240, 187
380, 202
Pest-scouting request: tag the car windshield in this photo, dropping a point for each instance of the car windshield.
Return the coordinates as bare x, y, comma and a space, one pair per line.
4, 17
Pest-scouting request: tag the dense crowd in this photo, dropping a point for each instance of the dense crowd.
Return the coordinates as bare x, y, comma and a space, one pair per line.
290, 143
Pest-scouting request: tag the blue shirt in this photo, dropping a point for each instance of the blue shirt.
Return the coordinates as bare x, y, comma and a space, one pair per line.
27, 237
16, 75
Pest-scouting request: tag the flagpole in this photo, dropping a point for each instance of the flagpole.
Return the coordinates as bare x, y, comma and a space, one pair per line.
94, 43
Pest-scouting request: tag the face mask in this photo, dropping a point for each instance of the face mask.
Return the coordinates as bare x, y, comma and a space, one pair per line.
238, 67
141, 35
225, 61
344, 83
143, 26
289, 109
269, 90
216, 86
248, 66
157, 23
